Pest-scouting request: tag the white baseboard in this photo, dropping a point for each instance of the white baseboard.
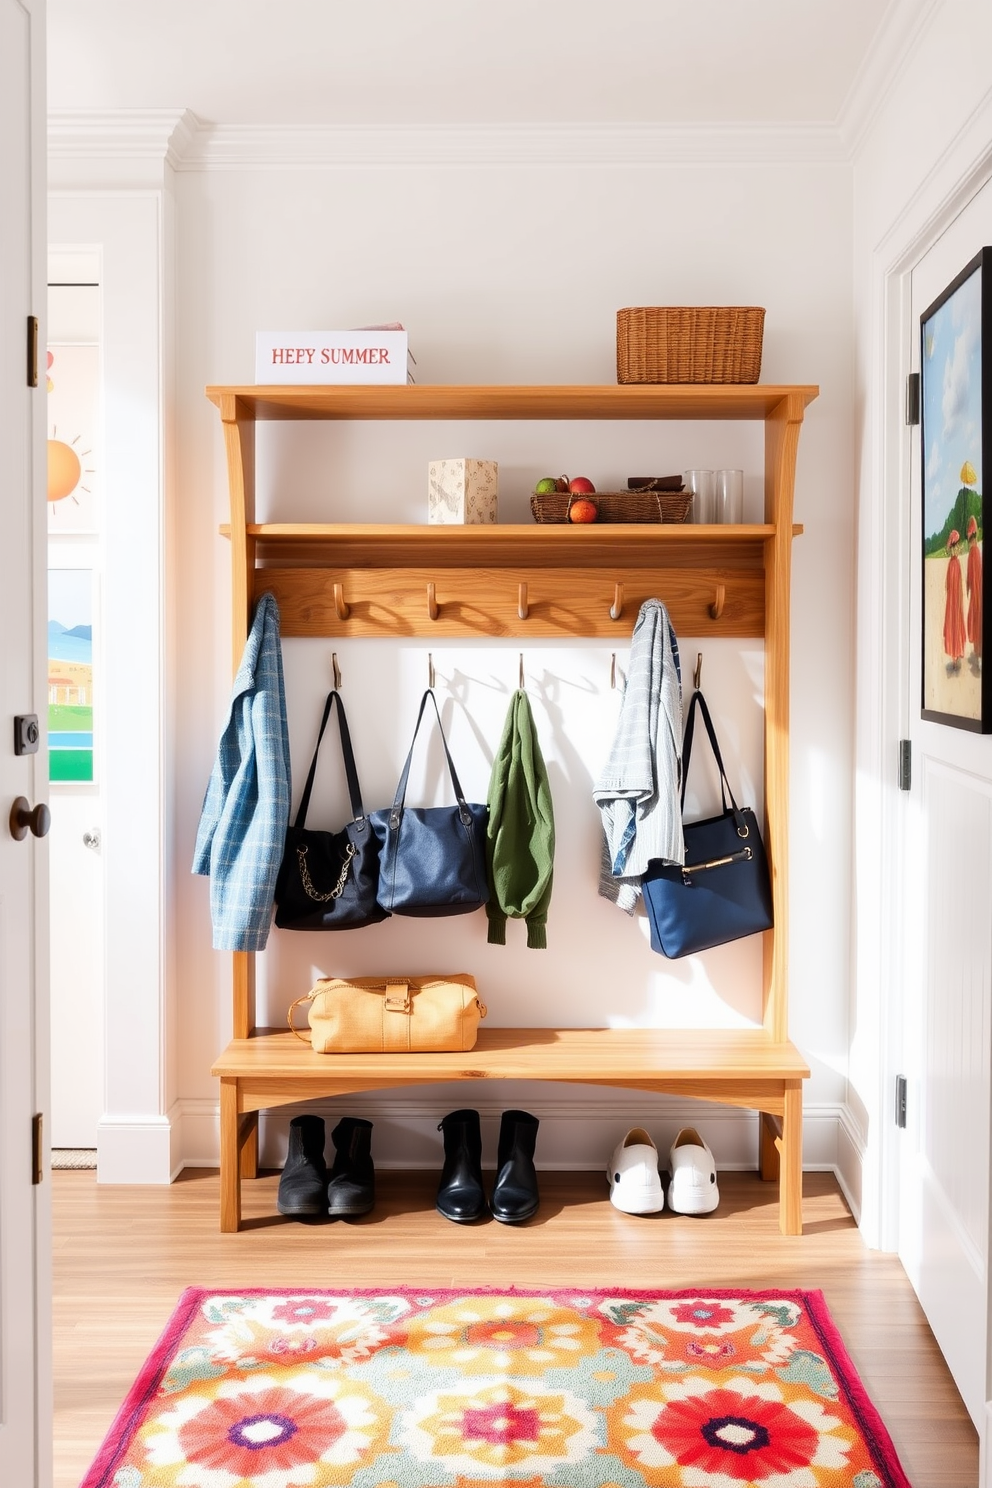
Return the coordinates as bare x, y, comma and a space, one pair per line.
575, 1134
137, 1149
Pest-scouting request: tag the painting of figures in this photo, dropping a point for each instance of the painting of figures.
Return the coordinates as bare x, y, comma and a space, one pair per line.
956, 351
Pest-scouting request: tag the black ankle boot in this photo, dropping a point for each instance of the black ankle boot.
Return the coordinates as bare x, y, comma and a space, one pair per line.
351, 1182
303, 1184
515, 1190
460, 1194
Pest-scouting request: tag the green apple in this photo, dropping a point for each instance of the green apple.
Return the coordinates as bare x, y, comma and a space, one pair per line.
547, 484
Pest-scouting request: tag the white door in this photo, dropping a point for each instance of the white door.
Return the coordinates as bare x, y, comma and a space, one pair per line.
25, 1240
944, 1187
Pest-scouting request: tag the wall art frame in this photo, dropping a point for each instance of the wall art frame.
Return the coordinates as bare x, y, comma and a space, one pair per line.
955, 436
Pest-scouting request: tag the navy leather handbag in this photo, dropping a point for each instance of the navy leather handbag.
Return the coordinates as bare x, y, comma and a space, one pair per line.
723, 892
433, 859
329, 880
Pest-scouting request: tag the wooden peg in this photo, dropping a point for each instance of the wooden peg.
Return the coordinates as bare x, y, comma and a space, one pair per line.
432, 601
697, 674
616, 608
341, 609
523, 608
716, 608
335, 671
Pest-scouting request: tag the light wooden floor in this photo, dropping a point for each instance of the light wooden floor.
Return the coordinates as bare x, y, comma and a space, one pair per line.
123, 1255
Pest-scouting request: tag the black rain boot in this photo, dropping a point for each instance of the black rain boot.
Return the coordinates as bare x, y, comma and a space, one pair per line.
351, 1181
515, 1190
303, 1183
460, 1194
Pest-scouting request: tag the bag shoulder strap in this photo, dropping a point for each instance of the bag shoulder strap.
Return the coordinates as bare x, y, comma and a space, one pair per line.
699, 701
396, 810
350, 769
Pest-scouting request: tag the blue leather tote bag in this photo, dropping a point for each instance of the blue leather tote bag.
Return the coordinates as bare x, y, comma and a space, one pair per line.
433, 859
723, 891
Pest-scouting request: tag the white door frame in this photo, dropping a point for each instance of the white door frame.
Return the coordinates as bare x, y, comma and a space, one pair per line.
885, 547
130, 222
885, 554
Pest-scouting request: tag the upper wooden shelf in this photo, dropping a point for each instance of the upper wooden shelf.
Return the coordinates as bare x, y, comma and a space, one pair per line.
427, 401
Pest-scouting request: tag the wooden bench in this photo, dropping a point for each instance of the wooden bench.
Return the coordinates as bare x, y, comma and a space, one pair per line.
735, 1067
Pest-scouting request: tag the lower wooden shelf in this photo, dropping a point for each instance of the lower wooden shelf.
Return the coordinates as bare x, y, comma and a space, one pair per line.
736, 1067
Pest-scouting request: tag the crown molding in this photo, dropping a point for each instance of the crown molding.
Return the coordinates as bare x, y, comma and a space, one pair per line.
153, 136
899, 33
251, 147
184, 142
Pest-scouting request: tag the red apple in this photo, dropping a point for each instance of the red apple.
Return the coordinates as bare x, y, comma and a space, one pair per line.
580, 486
582, 510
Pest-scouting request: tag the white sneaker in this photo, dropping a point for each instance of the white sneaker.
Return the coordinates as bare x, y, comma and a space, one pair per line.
693, 1188
635, 1183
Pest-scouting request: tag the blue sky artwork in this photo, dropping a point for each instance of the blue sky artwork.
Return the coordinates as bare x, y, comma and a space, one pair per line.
952, 399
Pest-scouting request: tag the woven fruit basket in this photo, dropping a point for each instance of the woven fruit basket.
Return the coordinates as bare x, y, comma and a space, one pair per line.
689, 343
615, 506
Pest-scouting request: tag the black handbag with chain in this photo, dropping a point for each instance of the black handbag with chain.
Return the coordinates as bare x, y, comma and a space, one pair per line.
330, 880
723, 891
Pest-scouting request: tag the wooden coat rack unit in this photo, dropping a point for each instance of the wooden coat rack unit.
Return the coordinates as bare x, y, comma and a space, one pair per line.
339, 580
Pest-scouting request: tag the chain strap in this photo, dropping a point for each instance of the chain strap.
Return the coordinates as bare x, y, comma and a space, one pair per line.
338, 889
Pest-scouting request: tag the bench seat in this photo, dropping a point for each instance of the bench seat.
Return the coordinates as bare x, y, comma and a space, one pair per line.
737, 1067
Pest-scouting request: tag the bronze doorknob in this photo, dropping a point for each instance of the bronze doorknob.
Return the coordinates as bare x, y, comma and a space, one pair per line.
23, 820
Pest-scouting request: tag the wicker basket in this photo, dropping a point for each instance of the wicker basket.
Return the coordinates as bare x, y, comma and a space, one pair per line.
615, 506
689, 343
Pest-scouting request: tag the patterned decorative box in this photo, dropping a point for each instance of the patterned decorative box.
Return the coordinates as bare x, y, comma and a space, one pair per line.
461, 492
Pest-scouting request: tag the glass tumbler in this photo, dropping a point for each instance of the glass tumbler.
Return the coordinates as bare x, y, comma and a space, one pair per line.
702, 484
730, 495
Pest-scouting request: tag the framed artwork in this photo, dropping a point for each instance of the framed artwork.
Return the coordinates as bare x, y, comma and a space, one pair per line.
956, 424
73, 418
70, 674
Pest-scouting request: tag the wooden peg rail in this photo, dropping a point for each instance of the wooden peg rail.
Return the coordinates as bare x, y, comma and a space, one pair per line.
356, 580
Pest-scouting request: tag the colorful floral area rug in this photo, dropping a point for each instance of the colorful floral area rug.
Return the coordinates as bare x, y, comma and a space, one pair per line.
465, 1388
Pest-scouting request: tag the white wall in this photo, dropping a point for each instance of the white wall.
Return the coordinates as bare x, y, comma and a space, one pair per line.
514, 274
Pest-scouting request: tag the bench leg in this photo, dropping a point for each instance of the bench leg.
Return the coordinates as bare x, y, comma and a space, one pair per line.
790, 1210
230, 1166
249, 1150
769, 1140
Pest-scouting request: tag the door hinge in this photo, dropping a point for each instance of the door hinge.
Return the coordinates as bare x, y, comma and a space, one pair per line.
905, 764
37, 1157
900, 1100
913, 398
32, 351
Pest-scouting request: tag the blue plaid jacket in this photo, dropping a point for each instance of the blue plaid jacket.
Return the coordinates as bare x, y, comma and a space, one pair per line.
245, 813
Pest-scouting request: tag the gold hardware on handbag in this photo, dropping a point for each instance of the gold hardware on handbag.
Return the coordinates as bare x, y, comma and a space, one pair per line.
392, 1015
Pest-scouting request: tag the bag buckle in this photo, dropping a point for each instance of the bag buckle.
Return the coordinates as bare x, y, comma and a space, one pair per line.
744, 856
398, 997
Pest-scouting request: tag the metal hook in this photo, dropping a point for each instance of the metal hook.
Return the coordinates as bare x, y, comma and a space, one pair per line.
341, 608
336, 671
716, 608
697, 674
520, 683
613, 670
431, 601
431, 677
616, 608
523, 607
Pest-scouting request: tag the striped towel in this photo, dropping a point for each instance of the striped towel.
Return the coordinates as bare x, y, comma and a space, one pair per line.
638, 791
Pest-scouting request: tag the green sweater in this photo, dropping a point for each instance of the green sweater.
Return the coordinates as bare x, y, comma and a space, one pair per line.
520, 836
